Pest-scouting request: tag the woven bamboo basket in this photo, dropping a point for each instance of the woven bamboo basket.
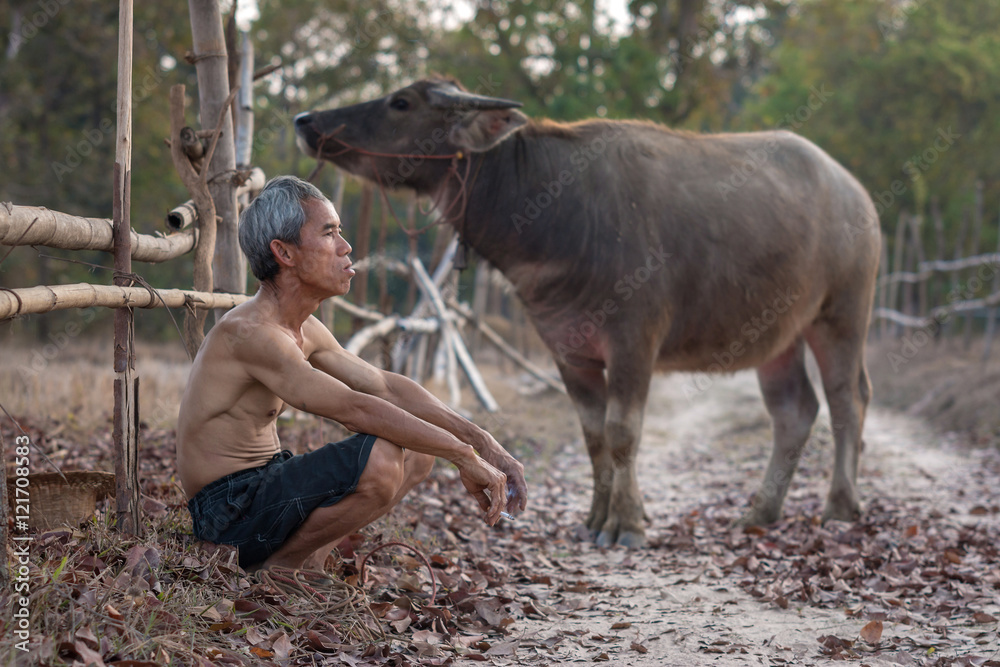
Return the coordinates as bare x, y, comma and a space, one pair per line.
55, 502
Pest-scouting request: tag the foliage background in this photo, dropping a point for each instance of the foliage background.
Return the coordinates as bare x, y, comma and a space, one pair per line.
895, 74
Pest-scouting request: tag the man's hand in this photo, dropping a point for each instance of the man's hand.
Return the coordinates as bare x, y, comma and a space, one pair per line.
479, 477
499, 458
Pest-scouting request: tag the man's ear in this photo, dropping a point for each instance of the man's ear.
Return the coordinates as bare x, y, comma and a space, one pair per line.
281, 253
482, 130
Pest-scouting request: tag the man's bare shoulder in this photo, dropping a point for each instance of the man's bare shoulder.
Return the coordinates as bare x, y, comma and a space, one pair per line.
246, 330
317, 338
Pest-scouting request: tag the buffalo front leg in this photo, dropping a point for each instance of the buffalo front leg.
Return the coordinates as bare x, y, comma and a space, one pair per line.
792, 404
588, 390
628, 388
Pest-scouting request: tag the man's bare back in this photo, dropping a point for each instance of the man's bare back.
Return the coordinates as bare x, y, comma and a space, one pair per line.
269, 353
228, 420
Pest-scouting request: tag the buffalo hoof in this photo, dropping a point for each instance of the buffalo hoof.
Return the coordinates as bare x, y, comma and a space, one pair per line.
848, 513
757, 517
627, 539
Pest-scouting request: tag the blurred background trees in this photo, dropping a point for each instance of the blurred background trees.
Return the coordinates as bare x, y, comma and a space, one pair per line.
900, 91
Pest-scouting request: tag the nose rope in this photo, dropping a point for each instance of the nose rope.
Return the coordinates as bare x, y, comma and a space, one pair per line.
453, 172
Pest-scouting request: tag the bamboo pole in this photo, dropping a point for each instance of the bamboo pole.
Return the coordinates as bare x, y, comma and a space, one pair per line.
34, 225
125, 433
46, 298
940, 266
939, 314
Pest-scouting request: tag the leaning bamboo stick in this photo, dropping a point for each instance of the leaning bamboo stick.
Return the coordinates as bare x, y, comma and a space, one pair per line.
505, 347
451, 337
35, 225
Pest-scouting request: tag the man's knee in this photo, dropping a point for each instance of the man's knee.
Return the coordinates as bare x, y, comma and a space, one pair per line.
383, 475
422, 466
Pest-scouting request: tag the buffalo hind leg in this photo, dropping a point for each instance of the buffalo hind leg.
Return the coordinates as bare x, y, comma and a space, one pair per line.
792, 404
628, 387
840, 356
588, 390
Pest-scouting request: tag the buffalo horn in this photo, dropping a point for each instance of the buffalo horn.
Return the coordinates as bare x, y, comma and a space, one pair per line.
451, 97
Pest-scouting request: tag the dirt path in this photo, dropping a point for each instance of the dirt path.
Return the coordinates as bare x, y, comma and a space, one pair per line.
686, 599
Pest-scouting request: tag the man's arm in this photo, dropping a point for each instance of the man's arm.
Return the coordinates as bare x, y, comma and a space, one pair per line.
272, 358
331, 358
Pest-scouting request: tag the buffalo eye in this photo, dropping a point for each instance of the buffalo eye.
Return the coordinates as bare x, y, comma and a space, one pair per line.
400, 104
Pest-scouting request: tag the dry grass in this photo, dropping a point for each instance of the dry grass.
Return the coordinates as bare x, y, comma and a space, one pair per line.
74, 385
942, 382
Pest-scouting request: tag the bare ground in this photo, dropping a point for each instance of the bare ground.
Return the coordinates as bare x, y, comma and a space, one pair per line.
701, 458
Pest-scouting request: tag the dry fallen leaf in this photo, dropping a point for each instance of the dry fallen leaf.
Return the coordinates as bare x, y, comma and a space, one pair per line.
872, 632
983, 617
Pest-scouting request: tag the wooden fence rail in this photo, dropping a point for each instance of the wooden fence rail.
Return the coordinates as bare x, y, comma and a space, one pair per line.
34, 225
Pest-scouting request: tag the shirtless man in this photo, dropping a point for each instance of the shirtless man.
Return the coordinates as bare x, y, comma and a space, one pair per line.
270, 353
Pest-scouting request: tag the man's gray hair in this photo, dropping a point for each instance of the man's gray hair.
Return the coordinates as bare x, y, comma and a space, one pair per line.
276, 213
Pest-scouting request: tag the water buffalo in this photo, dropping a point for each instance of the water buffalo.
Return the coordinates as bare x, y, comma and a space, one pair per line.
635, 247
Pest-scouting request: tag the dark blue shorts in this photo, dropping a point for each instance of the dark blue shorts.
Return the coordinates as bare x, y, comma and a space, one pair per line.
257, 509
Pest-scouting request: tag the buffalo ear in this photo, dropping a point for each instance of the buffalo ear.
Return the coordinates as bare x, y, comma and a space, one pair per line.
483, 130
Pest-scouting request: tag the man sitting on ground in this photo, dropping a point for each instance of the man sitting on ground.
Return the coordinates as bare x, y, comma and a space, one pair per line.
270, 353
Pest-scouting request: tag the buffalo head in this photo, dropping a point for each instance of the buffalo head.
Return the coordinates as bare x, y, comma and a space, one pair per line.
390, 140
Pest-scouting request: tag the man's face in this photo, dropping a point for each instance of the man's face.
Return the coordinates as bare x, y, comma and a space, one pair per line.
321, 257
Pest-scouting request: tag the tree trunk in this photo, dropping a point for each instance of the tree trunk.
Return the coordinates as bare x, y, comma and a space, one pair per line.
209, 40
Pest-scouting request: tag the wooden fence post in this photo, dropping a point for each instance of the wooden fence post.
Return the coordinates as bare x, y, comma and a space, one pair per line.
883, 292
897, 265
991, 314
125, 431
977, 228
940, 286
955, 276
917, 222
